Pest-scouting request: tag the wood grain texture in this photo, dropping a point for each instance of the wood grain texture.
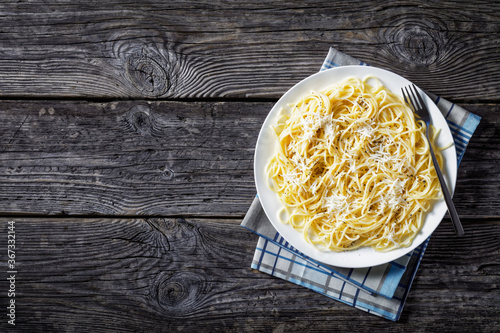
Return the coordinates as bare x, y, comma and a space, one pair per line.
219, 49
165, 275
129, 158
169, 158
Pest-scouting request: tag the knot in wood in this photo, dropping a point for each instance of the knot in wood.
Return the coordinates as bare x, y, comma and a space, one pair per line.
148, 74
167, 173
181, 293
140, 118
418, 45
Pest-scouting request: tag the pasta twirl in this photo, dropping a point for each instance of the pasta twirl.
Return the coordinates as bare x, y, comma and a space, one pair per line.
352, 168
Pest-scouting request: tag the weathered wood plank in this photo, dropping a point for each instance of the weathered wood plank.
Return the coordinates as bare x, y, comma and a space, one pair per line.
183, 49
128, 158
169, 158
193, 275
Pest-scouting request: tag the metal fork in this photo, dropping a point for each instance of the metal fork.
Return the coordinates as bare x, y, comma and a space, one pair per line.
416, 103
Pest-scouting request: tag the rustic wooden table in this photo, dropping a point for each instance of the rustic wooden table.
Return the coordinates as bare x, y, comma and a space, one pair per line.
126, 167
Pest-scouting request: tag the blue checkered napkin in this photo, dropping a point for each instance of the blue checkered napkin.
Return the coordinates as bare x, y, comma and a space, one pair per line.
382, 279
380, 290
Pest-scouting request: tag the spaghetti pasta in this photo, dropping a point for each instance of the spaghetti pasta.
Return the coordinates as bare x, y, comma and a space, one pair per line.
352, 168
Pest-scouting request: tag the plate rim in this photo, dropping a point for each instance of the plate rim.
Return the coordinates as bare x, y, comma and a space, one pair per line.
309, 250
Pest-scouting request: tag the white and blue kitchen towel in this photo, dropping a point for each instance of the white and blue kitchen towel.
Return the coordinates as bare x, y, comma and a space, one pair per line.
380, 290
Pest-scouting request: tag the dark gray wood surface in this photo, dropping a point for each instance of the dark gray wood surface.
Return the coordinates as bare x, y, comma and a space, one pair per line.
127, 133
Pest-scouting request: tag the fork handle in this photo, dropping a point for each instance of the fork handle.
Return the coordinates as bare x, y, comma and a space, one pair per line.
447, 197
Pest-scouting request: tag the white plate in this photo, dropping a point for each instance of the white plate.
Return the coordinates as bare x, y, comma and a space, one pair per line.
367, 256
